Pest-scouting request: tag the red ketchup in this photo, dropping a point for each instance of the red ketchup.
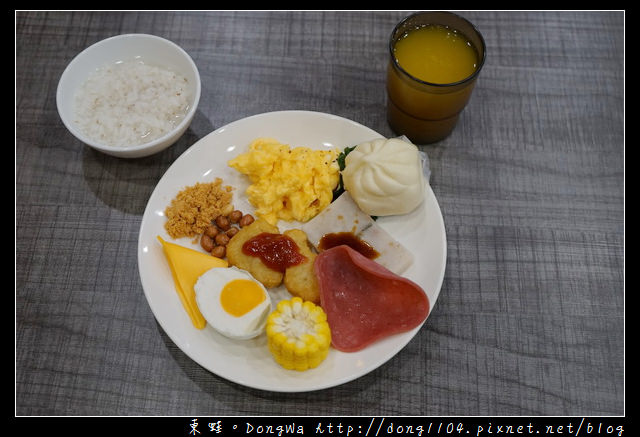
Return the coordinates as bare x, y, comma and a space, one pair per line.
275, 250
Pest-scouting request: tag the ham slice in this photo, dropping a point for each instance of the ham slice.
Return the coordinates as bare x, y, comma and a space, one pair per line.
364, 301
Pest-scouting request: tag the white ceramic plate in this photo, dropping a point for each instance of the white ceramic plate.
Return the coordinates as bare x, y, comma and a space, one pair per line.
249, 362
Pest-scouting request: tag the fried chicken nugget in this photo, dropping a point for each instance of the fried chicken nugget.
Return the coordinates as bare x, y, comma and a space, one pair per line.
300, 280
270, 278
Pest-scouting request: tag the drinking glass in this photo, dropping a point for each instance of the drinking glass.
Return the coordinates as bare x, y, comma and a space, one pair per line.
423, 111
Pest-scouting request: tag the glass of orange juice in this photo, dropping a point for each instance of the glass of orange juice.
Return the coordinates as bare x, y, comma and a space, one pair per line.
435, 60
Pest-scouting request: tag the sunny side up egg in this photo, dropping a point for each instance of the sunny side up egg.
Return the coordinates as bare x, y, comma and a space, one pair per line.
233, 302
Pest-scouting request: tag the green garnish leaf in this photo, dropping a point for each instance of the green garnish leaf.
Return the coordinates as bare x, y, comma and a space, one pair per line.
340, 160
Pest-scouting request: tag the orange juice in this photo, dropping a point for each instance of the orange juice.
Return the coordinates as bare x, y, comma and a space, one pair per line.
435, 58
436, 54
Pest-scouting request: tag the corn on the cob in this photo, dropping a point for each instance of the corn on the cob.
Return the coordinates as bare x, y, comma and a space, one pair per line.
298, 334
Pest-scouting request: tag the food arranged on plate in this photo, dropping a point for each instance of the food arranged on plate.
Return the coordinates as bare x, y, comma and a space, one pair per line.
364, 301
288, 184
298, 334
191, 210
384, 176
187, 265
313, 232
233, 302
344, 222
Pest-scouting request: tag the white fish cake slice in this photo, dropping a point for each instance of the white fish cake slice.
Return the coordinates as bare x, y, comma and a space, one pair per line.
344, 215
393, 255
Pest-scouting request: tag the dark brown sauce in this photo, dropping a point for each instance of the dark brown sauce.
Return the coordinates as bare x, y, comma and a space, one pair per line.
276, 251
349, 239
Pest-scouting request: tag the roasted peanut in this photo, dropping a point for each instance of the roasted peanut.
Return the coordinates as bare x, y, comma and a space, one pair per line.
246, 220
211, 231
235, 216
222, 239
207, 242
217, 235
219, 251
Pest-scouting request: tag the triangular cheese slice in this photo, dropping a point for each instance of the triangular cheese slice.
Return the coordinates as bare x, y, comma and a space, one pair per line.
187, 265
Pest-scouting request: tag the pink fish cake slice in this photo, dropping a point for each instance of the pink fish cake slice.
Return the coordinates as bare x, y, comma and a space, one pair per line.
364, 301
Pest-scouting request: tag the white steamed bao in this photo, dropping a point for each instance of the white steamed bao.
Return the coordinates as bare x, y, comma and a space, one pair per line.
385, 176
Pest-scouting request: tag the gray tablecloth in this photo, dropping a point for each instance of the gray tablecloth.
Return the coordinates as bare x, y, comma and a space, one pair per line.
530, 318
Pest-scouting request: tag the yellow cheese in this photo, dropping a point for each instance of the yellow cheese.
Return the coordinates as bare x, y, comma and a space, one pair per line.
187, 265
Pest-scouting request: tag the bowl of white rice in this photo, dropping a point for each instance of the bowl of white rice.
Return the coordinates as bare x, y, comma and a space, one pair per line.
129, 95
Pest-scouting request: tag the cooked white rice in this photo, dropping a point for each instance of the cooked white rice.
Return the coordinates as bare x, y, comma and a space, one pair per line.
131, 103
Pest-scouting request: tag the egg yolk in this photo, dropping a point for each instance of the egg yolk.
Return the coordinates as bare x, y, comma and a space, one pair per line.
240, 296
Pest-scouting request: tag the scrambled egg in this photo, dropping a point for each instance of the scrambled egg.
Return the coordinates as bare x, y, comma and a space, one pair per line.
288, 184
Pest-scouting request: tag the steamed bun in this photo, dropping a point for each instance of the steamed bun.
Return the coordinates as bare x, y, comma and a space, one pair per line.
384, 176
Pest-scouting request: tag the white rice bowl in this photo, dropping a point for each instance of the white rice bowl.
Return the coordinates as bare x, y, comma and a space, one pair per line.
130, 103
129, 95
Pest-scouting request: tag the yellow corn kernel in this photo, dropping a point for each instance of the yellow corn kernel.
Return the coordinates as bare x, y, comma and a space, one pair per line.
298, 334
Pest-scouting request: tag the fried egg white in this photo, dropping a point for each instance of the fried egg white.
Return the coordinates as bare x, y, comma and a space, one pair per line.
233, 302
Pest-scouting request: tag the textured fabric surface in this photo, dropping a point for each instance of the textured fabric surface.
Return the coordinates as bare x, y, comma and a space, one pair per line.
530, 318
